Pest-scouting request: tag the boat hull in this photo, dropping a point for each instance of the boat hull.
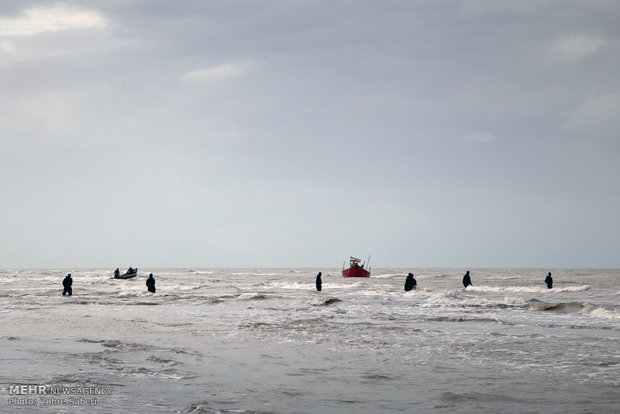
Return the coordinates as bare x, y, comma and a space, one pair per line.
355, 271
127, 275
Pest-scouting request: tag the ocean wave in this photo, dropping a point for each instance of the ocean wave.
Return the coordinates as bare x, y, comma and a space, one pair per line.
327, 301
182, 287
575, 307
559, 307
294, 285
255, 325
475, 396
602, 312
445, 294
379, 292
203, 407
373, 377
353, 285
459, 298
9, 279
463, 318
303, 323
527, 289
253, 296
83, 379
111, 360
388, 275
115, 344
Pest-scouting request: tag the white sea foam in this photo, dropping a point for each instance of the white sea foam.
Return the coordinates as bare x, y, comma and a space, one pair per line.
527, 289
295, 285
388, 276
602, 312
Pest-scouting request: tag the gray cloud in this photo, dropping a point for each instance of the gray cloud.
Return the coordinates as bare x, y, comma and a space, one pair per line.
478, 133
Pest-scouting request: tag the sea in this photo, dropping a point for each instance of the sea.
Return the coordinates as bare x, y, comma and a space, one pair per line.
266, 341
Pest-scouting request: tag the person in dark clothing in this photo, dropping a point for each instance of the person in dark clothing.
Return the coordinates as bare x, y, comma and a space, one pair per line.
150, 283
410, 282
319, 282
549, 281
117, 273
467, 280
67, 282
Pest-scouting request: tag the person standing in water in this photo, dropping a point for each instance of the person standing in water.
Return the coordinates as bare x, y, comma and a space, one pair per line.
319, 282
150, 283
66, 283
549, 281
410, 283
467, 280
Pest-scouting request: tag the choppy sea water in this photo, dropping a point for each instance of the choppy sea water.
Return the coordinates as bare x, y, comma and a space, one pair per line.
264, 341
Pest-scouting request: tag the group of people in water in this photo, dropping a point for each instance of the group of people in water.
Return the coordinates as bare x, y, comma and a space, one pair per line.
467, 280
67, 282
412, 284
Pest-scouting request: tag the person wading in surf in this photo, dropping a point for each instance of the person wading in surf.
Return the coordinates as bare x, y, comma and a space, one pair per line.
467, 280
150, 283
410, 283
66, 283
549, 281
319, 282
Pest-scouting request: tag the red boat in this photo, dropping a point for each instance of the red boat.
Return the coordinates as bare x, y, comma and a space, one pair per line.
355, 270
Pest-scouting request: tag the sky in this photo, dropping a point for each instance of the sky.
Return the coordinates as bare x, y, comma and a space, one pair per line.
281, 133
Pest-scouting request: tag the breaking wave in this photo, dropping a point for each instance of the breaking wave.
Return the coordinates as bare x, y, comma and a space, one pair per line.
463, 318
203, 407
527, 289
328, 301
575, 307
388, 275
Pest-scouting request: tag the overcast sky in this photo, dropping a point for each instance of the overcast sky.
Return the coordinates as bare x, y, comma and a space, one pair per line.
297, 133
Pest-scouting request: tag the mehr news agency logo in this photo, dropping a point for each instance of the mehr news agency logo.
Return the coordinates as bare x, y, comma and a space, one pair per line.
54, 395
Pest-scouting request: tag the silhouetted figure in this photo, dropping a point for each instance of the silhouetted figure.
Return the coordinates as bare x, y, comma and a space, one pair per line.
319, 282
150, 283
467, 280
549, 281
131, 270
67, 282
117, 273
410, 283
